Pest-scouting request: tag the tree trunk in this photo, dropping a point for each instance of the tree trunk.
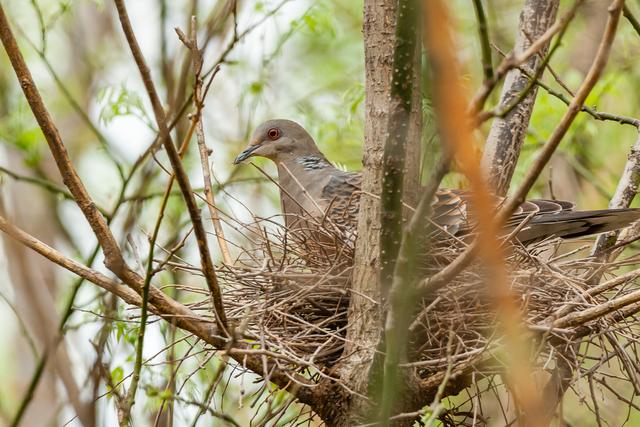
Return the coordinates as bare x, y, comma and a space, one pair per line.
365, 316
414, 145
507, 134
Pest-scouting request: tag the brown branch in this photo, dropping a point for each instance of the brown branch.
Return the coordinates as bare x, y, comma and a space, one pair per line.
181, 176
598, 115
598, 289
449, 272
124, 409
125, 293
512, 60
113, 256
198, 99
583, 91
164, 305
227, 51
593, 313
170, 310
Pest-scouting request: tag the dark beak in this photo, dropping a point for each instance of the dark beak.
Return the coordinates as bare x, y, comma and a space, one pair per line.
245, 154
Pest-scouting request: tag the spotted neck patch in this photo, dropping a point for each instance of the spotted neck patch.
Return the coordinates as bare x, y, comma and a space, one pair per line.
312, 162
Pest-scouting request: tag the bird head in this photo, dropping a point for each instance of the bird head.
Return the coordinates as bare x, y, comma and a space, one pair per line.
277, 140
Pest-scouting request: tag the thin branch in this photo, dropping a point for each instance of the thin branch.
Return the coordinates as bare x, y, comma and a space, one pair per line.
198, 100
512, 60
124, 408
504, 110
47, 185
583, 91
483, 36
181, 176
598, 115
230, 46
631, 18
113, 256
110, 285
598, 311
449, 272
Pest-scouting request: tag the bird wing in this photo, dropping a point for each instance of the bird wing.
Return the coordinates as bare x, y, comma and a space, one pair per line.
341, 195
451, 211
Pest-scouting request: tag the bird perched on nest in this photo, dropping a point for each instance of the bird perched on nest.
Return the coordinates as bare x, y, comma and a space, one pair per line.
312, 187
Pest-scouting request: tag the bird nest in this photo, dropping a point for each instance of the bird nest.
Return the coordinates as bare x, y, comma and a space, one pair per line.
290, 291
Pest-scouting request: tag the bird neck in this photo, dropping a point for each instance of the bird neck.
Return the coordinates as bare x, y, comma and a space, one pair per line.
304, 168
303, 163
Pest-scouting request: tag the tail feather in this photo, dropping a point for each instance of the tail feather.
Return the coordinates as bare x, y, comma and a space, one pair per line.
568, 224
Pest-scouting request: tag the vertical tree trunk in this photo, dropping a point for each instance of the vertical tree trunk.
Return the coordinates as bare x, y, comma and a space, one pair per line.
397, 139
391, 218
365, 330
365, 320
412, 163
507, 134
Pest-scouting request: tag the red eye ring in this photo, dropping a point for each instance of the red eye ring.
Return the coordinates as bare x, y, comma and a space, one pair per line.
273, 133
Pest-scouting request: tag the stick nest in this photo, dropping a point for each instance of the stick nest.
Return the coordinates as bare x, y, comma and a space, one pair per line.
290, 291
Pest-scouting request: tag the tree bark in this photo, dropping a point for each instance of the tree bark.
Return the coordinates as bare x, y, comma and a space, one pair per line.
399, 302
365, 315
397, 140
414, 145
507, 134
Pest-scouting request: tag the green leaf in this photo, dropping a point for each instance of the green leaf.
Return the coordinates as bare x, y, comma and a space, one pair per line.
120, 101
117, 375
256, 87
120, 331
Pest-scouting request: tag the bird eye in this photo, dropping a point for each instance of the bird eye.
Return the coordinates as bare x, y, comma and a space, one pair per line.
273, 133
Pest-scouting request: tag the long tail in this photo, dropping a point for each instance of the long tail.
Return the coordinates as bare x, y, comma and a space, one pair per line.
567, 224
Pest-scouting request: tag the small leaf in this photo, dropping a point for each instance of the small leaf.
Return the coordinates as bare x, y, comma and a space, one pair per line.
117, 375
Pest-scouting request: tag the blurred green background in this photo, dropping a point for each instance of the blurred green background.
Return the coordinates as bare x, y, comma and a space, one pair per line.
304, 62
